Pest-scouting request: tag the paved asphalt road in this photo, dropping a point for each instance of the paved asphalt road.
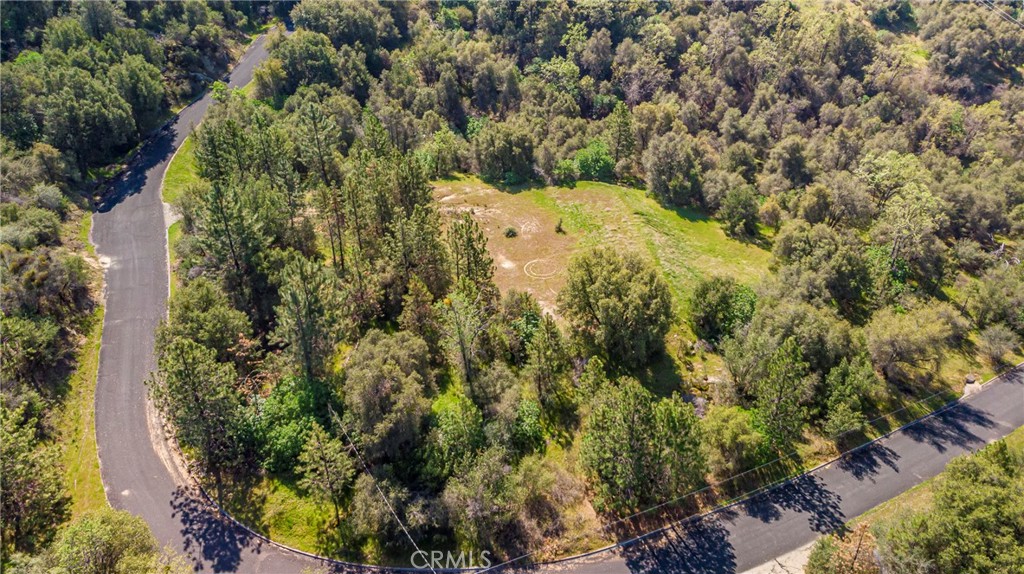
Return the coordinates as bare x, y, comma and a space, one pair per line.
788, 517
129, 234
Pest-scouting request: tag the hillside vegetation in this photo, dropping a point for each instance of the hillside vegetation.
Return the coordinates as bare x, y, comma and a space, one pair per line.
521, 269
515, 236
82, 84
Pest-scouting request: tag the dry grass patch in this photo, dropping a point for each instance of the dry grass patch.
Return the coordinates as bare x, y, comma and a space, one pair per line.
683, 243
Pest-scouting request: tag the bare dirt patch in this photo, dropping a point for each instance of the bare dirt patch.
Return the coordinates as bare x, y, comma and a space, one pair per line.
535, 259
684, 244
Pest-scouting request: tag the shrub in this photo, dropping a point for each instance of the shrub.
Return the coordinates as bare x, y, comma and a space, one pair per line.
618, 304
107, 540
49, 197
996, 341
731, 443
565, 173
672, 169
286, 422
503, 153
739, 211
33, 226
718, 306
595, 162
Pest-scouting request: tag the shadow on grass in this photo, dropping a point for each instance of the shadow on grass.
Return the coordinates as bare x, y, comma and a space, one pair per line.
335, 540
688, 213
515, 188
662, 376
246, 501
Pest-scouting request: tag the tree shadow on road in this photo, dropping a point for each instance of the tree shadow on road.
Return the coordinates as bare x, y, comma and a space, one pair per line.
135, 176
868, 461
210, 539
950, 428
806, 495
699, 547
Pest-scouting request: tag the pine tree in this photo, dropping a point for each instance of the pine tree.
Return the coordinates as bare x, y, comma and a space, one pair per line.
418, 313
620, 132
34, 501
308, 316
782, 392
472, 265
548, 360
198, 395
326, 468
463, 324
317, 139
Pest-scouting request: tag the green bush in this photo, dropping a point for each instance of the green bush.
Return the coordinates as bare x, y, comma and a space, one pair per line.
739, 211
286, 421
718, 306
595, 162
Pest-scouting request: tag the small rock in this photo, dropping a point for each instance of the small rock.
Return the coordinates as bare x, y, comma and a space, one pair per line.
702, 346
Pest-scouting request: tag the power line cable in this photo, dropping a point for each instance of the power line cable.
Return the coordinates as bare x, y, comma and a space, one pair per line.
376, 485
1001, 13
721, 482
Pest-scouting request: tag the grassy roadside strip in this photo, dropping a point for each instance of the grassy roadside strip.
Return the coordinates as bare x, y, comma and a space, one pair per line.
77, 425
180, 174
274, 507
76, 417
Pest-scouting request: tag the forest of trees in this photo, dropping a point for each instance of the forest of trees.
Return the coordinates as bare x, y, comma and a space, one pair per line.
81, 84
329, 316
366, 322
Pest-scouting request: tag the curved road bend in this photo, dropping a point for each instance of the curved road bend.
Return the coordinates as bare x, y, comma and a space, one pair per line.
129, 232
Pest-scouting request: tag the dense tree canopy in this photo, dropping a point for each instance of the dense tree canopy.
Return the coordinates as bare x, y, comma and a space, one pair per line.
855, 143
972, 524
639, 449
328, 306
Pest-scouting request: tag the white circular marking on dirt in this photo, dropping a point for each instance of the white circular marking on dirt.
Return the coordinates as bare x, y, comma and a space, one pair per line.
539, 269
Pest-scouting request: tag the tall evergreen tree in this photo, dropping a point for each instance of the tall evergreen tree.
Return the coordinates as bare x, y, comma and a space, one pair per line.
548, 360
309, 316
782, 393
620, 132
317, 140
472, 265
463, 326
198, 395
325, 468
